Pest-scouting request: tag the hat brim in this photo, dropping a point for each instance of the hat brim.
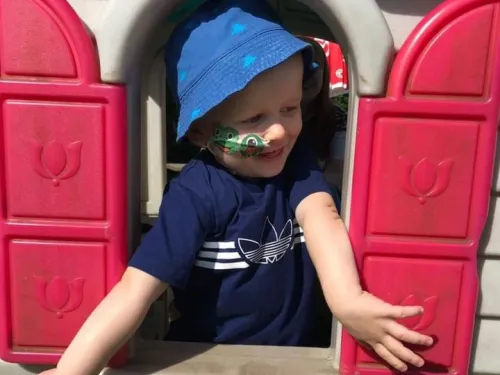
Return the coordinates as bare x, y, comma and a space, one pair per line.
234, 71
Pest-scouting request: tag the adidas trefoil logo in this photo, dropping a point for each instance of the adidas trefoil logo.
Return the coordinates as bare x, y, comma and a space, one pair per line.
271, 251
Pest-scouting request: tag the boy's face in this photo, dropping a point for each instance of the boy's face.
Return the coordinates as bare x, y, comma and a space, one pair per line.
269, 107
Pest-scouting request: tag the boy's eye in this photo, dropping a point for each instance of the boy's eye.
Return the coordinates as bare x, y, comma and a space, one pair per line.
290, 109
253, 120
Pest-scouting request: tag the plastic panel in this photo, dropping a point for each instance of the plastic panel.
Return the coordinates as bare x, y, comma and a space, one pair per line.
28, 27
64, 143
62, 180
467, 78
92, 12
486, 358
120, 50
403, 16
60, 305
496, 177
434, 284
490, 288
490, 242
36, 25
422, 178
369, 52
153, 137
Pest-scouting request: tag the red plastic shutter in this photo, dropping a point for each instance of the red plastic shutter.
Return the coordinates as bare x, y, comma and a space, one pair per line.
63, 180
422, 177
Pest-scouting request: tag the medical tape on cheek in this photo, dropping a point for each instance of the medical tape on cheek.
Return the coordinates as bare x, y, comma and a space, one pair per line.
229, 141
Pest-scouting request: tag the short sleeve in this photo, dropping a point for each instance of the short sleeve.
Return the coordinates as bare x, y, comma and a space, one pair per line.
303, 173
168, 250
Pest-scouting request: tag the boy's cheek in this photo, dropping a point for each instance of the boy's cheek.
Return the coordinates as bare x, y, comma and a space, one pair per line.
297, 128
296, 132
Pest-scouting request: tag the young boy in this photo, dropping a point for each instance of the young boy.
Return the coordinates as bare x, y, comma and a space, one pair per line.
233, 227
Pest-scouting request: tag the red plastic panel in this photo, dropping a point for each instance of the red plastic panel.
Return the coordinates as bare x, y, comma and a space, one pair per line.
435, 284
422, 178
459, 75
452, 58
54, 287
433, 183
64, 147
48, 205
63, 195
27, 29
67, 216
42, 38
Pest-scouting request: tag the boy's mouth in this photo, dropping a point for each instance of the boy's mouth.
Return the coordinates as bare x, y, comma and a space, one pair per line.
272, 154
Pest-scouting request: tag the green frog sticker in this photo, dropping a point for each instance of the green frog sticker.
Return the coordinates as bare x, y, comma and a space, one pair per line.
252, 145
228, 140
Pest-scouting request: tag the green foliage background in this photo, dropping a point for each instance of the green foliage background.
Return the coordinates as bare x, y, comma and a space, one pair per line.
342, 101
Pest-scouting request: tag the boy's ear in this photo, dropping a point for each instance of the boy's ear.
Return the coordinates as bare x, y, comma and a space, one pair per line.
198, 136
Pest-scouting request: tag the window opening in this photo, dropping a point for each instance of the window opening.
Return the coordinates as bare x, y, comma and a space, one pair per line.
324, 116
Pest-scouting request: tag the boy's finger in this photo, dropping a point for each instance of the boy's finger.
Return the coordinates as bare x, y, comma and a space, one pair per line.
390, 358
365, 345
402, 352
401, 312
403, 334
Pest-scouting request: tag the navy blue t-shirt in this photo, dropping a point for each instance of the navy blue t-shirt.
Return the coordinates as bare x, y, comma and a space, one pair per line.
233, 252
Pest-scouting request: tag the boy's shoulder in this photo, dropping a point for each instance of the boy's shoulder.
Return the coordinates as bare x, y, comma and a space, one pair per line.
203, 171
209, 181
213, 187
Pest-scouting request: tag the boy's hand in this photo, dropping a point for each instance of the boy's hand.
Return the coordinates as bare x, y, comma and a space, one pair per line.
373, 323
49, 372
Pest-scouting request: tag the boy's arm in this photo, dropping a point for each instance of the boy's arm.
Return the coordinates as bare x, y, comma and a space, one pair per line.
111, 324
326, 236
366, 317
330, 248
165, 257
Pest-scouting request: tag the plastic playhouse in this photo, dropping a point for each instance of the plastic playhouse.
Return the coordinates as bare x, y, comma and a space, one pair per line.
84, 124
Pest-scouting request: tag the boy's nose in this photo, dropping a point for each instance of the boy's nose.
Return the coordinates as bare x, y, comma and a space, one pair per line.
275, 132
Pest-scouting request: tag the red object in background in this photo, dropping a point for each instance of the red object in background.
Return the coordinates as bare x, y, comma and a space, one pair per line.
338, 69
422, 177
63, 190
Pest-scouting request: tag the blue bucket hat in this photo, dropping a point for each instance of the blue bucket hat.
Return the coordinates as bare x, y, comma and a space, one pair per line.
219, 49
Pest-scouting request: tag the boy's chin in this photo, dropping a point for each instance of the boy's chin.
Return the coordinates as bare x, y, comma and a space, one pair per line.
268, 173
267, 170
256, 171
257, 167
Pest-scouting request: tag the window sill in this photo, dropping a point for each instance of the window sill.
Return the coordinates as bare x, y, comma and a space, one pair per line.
159, 358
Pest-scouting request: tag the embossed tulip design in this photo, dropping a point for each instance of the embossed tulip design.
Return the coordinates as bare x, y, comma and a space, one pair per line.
425, 179
56, 162
58, 295
421, 322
